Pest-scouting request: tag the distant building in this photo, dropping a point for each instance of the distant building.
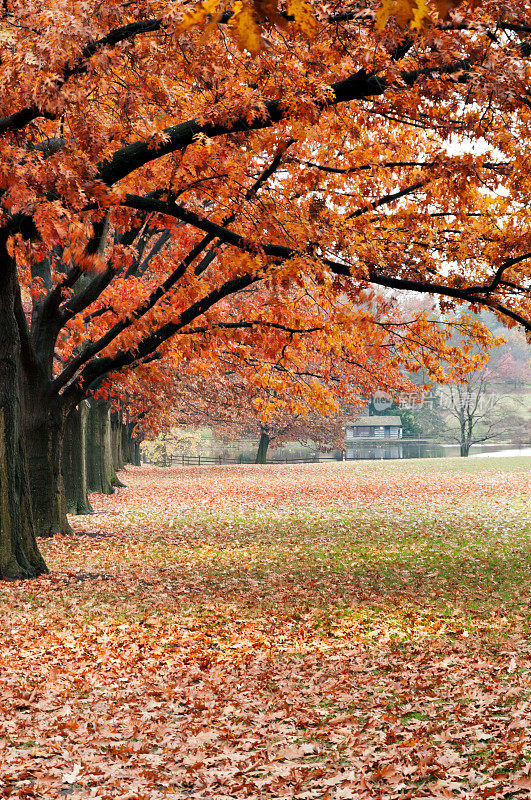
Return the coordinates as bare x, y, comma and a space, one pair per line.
375, 427
374, 437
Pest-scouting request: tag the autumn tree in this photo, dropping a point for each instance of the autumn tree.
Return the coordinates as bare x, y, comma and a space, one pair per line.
476, 409
298, 382
161, 157
272, 397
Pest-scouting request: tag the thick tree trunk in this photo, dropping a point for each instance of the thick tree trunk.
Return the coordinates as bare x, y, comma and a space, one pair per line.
43, 430
19, 554
99, 458
74, 462
101, 475
117, 452
130, 445
465, 449
262, 448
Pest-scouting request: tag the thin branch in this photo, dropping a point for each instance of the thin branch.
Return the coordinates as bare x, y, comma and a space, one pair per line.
383, 164
20, 119
388, 198
282, 253
358, 86
510, 262
139, 267
249, 324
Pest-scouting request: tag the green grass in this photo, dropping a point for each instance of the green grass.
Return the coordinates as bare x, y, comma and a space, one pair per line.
446, 563
379, 630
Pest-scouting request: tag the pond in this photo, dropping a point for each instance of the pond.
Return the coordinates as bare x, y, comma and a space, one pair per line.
405, 449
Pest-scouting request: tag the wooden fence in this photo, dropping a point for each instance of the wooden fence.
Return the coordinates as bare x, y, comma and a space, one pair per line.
197, 461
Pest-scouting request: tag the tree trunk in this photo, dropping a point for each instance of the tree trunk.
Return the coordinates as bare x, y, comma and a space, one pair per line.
127, 454
117, 451
101, 475
466, 439
74, 462
136, 453
262, 448
99, 459
116, 447
43, 430
130, 445
19, 554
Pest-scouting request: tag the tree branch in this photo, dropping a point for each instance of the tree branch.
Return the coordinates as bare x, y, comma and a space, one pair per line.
497, 279
358, 86
98, 368
282, 253
250, 324
20, 119
93, 348
388, 198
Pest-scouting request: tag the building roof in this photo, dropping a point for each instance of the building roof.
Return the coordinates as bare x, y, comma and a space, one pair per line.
377, 420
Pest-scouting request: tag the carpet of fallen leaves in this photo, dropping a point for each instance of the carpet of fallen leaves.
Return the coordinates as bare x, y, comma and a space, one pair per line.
317, 631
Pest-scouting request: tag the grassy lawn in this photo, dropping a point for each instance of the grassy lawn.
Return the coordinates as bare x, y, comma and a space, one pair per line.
339, 630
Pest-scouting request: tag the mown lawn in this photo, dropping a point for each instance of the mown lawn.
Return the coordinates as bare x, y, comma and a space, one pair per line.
351, 630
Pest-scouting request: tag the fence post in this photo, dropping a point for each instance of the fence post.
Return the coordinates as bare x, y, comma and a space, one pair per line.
199, 460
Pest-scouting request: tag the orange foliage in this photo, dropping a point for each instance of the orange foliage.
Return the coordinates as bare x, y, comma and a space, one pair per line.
293, 382
140, 142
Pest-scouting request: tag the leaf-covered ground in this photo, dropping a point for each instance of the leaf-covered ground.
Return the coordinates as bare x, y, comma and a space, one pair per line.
317, 631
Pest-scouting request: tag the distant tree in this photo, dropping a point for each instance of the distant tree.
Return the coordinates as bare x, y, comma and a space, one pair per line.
178, 441
511, 360
301, 384
275, 395
475, 415
324, 432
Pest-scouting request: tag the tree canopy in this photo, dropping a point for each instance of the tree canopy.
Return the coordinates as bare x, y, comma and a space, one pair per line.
163, 160
342, 149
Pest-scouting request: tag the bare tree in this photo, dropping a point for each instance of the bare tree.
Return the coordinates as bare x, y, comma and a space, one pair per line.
475, 415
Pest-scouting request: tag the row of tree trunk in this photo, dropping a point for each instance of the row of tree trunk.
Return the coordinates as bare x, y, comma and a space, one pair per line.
53, 453
66, 463
19, 554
